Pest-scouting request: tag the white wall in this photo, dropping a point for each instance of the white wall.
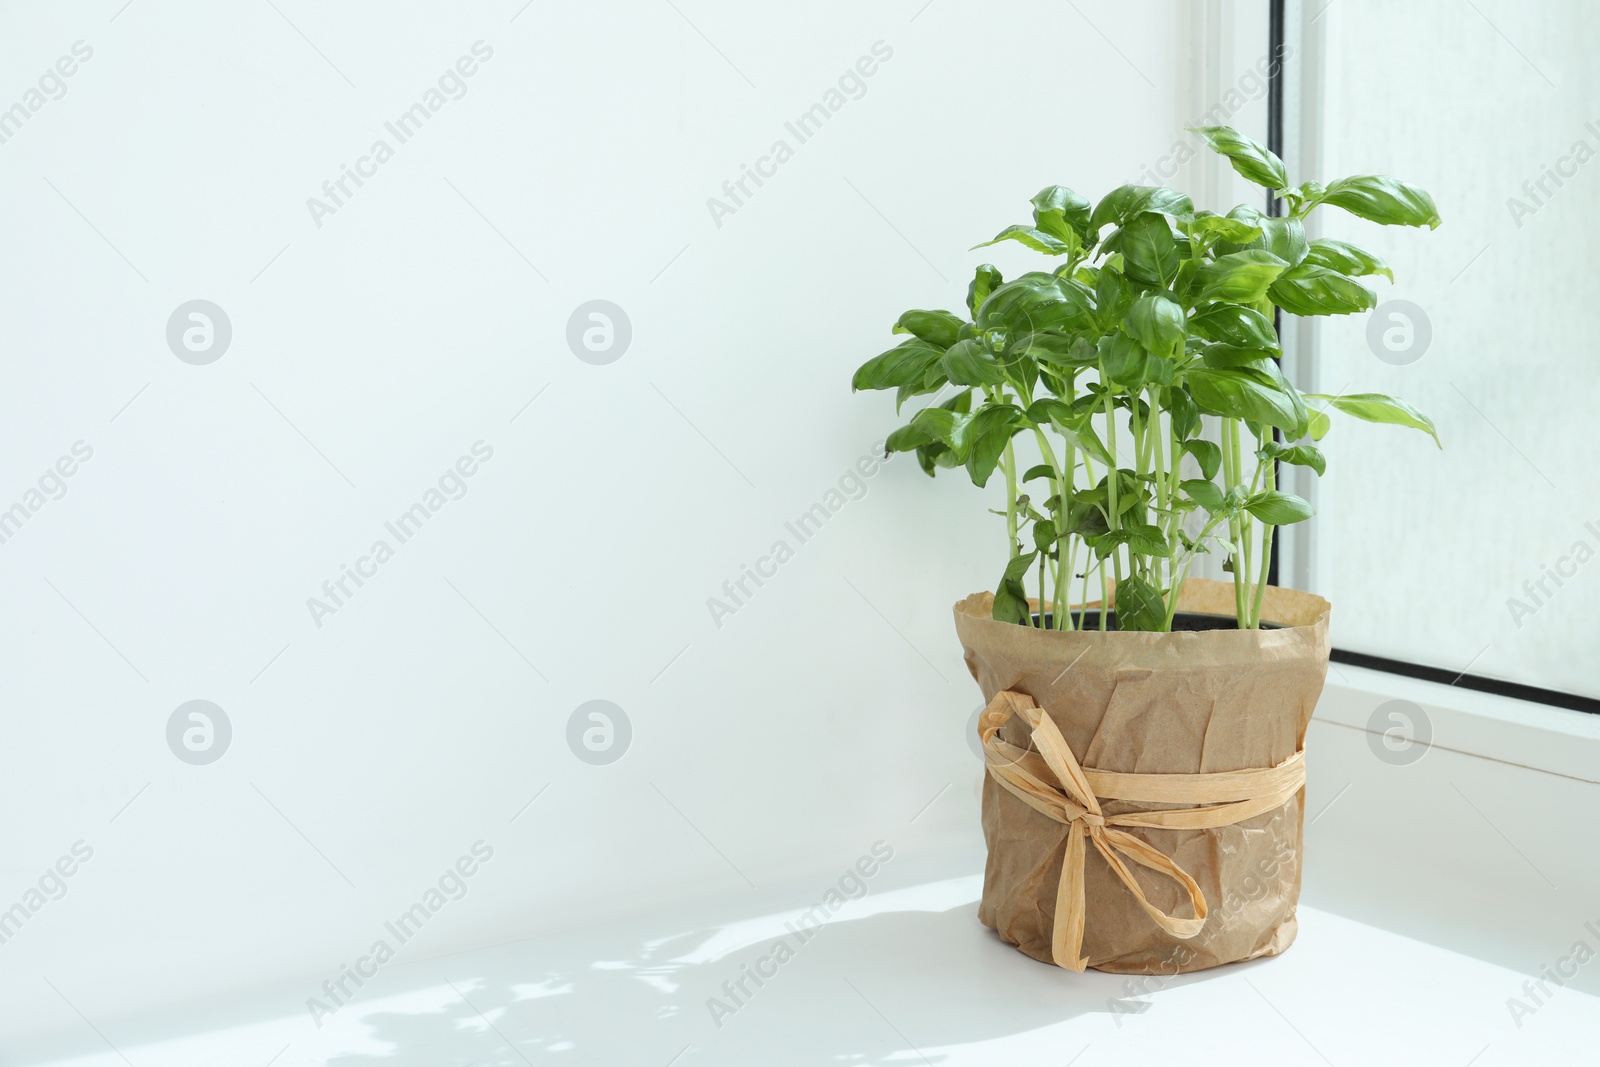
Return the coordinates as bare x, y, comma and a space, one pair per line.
371, 351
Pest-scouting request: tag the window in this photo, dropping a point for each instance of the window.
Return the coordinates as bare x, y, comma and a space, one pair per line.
1483, 558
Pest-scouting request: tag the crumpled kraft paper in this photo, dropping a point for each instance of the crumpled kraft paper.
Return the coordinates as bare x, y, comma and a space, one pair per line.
1153, 703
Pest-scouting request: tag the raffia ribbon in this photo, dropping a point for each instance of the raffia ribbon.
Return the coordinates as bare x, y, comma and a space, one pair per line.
1074, 799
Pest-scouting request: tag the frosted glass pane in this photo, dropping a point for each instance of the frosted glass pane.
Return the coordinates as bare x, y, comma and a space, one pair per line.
1485, 556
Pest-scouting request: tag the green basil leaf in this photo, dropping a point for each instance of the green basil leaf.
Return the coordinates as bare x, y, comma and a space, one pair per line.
991, 428
904, 363
1040, 470
1284, 238
931, 457
1124, 360
1157, 322
1139, 606
1181, 407
1221, 357
1124, 202
1148, 540
1059, 211
1044, 535
1250, 159
1234, 324
1222, 228
1375, 407
1112, 296
1149, 252
939, 424
1313, 290
1011, 597
1059, 350
1239, 277
1384, 200
1051, 412
935, 327
969, 362
1206, 494
984, 281
1207, 454
1036, 239
1278, 508
1300, 455
1246, 394
1346, 258
1036, 301
906, 439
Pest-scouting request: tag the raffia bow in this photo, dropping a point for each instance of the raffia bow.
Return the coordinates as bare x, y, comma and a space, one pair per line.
1074, 799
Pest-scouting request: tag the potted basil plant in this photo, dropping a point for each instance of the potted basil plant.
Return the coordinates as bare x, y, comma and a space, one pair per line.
1144, 733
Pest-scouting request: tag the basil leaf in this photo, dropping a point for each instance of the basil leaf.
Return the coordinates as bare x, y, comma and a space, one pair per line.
1312, 290
1139, 606
1278, 508
1250, 159
1239, 277
905, 363
1157, 322
1059, 211
935, 327
1149, 252
1206, 494
1234, 324
984, 281
1011, 598
1384, 200
1299, 455
1123, 203
1245, 394
1036, 239
1346, 258
970, 363
1208, 455
1375, 407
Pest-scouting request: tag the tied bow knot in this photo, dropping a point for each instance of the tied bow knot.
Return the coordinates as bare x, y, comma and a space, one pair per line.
1074, 800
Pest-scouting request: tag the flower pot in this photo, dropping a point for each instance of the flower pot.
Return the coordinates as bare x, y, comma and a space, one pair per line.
1143, 802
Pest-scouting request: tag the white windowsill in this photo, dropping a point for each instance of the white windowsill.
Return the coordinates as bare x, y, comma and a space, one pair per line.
1520, 732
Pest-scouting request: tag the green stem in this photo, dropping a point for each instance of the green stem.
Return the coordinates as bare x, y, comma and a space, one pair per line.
1114, 520
1060, 515
1266, 552
1008, 463
1231, 477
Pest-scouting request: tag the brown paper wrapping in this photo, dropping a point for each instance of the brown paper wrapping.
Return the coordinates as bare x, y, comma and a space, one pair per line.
1151, 703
